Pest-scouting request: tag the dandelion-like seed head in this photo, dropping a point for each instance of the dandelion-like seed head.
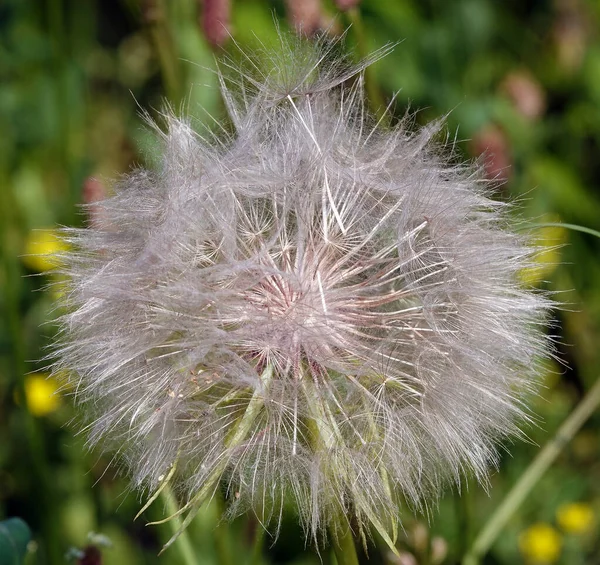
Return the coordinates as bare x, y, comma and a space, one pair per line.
311, 307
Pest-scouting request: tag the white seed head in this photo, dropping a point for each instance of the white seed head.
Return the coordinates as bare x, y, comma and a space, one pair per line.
312, 308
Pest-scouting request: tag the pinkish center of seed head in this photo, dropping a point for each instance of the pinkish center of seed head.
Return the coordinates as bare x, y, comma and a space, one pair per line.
292, 315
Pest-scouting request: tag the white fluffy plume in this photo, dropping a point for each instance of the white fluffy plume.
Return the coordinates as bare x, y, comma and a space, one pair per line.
311, 308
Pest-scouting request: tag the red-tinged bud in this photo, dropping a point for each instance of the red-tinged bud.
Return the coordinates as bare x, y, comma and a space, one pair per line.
215, 21
305, 15
91, 556
526, 94
93, 191
492, 144
346, 4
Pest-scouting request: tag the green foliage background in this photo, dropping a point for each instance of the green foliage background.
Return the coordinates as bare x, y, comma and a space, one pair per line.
73, 77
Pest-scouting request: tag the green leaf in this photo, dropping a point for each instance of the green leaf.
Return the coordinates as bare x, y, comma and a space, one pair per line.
14, 537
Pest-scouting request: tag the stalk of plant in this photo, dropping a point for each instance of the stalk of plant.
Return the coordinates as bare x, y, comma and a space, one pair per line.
306, 308
534, 472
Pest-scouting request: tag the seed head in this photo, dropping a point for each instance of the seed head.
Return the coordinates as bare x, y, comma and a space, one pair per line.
309, 308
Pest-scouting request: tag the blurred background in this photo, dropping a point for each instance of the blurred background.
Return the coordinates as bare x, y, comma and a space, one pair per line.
519, 82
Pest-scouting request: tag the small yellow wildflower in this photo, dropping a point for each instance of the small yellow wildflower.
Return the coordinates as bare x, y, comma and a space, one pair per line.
540, 543
575, 518
41, 249
41, 395
547, 238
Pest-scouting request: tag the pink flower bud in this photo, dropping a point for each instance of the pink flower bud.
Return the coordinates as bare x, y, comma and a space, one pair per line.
346, 4
215, 21
492, 144
305, 15
526, 94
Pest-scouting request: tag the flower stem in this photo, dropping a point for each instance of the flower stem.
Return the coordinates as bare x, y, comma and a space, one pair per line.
343, 546
236, 436
532, 475
186, 550
221, 535
574, 227
155, 20
257, 545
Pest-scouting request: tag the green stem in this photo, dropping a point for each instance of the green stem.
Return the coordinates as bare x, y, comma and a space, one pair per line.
343, 546
235, 438
186, 549
222, 539
325, 433
463, 512
532, 475
154, 17
257, 545
574, 227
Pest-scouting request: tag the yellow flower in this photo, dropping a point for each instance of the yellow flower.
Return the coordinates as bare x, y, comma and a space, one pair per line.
540, 543
41, 249
575, 518
41, 394
548, 238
